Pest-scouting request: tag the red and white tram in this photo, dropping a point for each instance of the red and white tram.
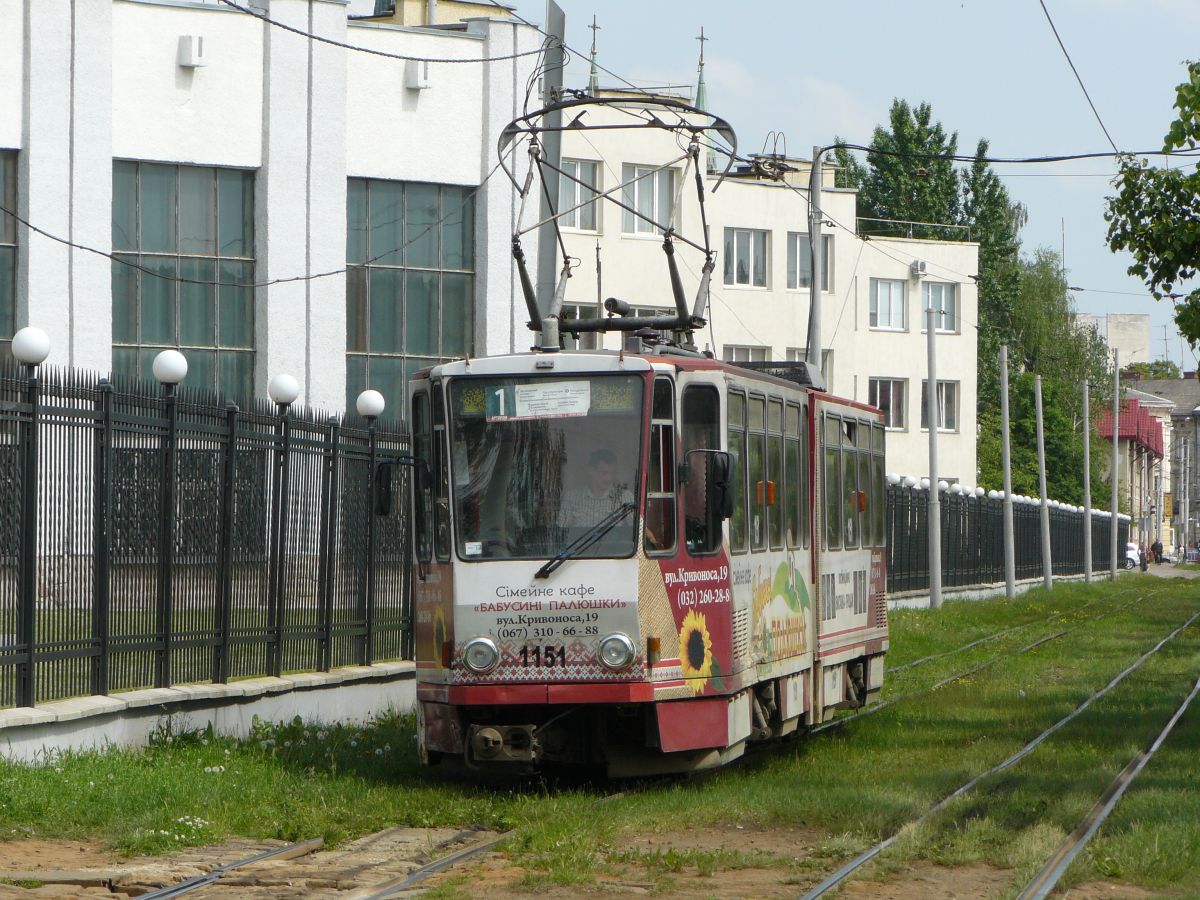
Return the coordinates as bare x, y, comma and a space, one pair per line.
644, 561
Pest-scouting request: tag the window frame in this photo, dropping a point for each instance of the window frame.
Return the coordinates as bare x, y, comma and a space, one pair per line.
570, 194
634, 179
796, 240
755, 248
926, 299
713, 523
873, 304
942, 383
736, 447
750, 351
9, 246
873, 383
664, 430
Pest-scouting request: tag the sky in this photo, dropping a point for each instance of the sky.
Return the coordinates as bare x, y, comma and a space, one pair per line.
989, 68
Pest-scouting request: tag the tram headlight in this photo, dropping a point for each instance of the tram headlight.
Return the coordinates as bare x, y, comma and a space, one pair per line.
480, 655
616, 651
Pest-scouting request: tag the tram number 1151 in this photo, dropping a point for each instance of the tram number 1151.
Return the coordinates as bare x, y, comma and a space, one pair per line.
546, 657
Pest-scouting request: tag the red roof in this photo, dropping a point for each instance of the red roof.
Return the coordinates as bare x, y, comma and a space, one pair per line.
1136, 424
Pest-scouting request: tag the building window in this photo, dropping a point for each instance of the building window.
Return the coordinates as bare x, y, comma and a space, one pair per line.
410, 283
745, 353
651, 193
746, 257
572, 193
799, 271
799, 354
183, 240
8, 245
887, 304
888, 395
947, 403
941, 297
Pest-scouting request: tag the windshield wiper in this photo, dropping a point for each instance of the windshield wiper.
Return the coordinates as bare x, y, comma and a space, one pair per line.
585, 540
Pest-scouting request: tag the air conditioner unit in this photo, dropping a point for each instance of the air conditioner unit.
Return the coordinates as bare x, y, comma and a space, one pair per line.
192, 51
917, 268
416, 75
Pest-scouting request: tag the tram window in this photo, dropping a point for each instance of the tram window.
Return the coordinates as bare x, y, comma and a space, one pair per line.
699, 428
756, 463
660, 485
805, 482
850, 499
866, 495
833, 482
737, 450
879, 505
775, 485
791, 475
423, 495
440, 471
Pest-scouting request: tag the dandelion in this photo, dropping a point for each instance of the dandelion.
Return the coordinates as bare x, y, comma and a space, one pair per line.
387, 748
57, 770
379, 751
110, 776
91, 784
353, 743
226, 754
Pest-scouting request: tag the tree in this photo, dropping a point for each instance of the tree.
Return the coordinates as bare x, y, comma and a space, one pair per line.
904, 179
1160, 368
1046, 341
1155, 215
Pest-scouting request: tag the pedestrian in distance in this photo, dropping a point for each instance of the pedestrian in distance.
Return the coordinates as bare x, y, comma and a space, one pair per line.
1142, 555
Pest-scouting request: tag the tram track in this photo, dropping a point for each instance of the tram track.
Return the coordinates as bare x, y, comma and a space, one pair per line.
987, 663
999, 634
837, 877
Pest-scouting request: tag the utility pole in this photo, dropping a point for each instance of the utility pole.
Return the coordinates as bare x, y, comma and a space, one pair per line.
1010, 556
1116, 464
1087, 486
935, 505
815, 220
1047, 563
551, 141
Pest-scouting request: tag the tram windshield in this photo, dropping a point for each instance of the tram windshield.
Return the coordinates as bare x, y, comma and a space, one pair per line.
540, 463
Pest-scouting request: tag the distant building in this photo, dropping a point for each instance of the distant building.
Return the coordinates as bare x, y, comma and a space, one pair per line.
1128, 333
1139, 434
1183, 450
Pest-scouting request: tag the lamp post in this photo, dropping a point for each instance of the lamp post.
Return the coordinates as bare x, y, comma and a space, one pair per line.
169, 367
283, 391
370, 405
30, 347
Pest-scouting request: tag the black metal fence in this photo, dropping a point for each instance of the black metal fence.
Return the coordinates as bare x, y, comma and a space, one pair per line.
151, 538
973, 540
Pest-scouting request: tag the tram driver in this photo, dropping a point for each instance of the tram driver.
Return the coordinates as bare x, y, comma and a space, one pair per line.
583, 506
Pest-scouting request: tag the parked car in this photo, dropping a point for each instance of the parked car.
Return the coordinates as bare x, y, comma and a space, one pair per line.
1132, 556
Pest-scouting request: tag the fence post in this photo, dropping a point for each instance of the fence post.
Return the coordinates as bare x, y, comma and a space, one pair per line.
27, 595
102, 514
279, 544
329, 520
166, 541
368, 644
224, 611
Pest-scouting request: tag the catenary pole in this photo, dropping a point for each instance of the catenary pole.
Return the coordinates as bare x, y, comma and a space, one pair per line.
1010, 556
815, 220
1087, 486
1047, 562
935, 506
1116, 465
551, 139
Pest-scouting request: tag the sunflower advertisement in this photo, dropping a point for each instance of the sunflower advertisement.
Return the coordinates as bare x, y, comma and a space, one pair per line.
700, 595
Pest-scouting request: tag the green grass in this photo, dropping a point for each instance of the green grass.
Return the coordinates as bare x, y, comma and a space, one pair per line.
848, 787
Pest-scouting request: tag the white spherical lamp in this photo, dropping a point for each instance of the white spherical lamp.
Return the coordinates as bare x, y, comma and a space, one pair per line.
170, 367
979, 492
909, 481
992, 495
954, 488
943, 485
370, 404
924, 484
893, 478
283, 389
31, 346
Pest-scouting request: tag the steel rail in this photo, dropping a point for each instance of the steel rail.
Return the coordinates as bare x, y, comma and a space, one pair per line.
950, 679
840, 875
1045, 881
289, 851
391, 888
931, 657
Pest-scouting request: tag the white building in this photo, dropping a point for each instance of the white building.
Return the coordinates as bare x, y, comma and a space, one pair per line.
229, 164
874, 291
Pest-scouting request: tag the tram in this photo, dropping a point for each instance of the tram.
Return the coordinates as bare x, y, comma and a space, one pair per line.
643, 559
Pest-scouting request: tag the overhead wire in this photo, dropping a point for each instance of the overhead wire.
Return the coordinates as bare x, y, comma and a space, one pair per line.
1078, 78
